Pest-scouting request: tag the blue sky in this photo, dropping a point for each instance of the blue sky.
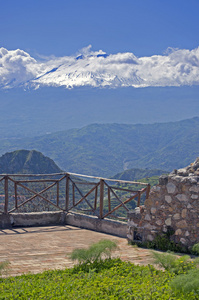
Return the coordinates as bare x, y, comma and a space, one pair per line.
153, 45
63, 27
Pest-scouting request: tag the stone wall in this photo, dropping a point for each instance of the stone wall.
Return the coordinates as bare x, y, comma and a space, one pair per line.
172, 205
112, 227
63, 218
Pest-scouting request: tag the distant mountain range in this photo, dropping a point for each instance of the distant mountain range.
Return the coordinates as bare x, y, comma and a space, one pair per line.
107, 149
46, 110
27, 162
34, 162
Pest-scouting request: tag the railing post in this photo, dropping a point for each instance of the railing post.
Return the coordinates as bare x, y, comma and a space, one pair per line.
67, 192
101, 198
6, 194
57, 193
109, 199
138, 202
148, 191
16, 202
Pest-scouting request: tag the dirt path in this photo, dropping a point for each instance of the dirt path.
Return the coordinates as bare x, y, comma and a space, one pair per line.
36, 249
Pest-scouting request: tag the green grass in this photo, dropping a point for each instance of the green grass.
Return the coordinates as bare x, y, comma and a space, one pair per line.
108, 279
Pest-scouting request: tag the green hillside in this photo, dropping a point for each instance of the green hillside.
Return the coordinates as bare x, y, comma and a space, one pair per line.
27, 162
107, 149
135, 174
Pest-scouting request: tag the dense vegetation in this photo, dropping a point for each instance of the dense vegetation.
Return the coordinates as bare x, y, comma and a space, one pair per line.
109, 279
106, 149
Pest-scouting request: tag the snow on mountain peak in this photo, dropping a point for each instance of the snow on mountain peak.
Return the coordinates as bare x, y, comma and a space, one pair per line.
98, 69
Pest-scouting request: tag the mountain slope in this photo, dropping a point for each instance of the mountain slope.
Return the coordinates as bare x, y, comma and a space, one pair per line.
106, 149
135, 174
37, 112
27, 162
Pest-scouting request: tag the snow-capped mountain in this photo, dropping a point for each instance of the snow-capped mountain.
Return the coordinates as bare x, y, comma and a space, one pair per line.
98, 69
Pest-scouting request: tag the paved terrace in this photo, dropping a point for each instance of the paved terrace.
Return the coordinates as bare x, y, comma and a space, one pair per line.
36, 249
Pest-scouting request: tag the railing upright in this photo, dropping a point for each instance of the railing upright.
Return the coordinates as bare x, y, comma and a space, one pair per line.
138, 201
16, 202
148, 191
6, 194
101, 198
67, 192
57, 193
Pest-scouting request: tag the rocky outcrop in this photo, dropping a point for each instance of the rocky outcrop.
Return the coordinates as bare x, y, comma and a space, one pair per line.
27, 162
172, 204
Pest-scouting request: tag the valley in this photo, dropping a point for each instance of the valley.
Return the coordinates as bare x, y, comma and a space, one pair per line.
107, 149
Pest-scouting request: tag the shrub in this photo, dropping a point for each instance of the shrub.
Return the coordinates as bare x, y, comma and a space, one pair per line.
174, 264
96, 266
188, 283
195, 249
94, 253
164, 243
3, 267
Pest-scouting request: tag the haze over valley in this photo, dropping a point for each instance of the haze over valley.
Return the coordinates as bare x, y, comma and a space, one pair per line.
107, 149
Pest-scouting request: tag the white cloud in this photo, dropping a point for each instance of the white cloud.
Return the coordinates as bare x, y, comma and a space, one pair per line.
16, 67
95, 68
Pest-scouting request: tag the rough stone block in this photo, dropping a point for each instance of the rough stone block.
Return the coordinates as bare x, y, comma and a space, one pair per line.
150, 237
194, 188
168, 222
182, 172
171, 188
183, 241
184, 213
149, 226
181, 224
131, 223
147, 217
168, 199
163, 180
178, 232
182, 197
193, 179
148, 202
194, 196
159, 222
176, 216
153, 210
